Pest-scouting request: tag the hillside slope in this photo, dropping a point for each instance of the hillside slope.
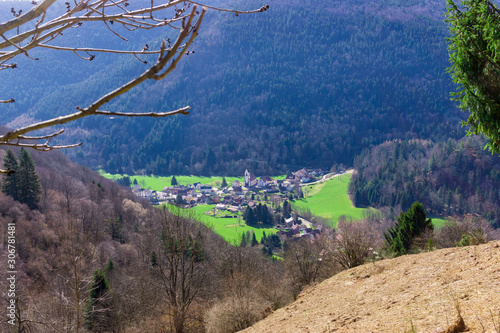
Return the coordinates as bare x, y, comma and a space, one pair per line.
303, 84
392, 295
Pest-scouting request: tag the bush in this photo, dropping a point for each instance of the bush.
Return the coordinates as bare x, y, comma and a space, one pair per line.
465, 230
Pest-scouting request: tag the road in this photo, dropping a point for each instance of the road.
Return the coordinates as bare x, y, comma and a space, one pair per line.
327, 177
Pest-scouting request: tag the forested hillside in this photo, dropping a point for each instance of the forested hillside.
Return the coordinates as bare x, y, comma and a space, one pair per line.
452, 177
94, 258
302, 84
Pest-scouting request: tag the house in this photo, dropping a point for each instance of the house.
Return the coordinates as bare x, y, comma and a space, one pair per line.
233, 209
307, 178
272, 190
220, 207
205, 189
301, 173
317, 172
287, 185
264, 181
250, 179
178, 190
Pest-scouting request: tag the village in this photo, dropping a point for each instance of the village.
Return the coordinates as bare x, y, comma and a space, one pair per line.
235, 199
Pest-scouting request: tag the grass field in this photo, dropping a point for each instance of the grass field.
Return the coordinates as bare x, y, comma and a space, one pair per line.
330, 200
229, 228
157, 183
437, 221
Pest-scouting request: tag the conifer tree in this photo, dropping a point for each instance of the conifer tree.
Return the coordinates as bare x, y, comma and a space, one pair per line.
409, 225
29, 189
264, 238
243, 242
9, 185
173, 182
224, 183
98, 313
475, 64
254, 240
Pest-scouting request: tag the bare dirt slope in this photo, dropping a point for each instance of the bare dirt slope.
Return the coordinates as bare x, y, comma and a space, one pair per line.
419, 291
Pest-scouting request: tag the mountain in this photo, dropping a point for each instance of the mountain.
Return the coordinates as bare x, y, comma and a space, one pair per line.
303, 84
413, 293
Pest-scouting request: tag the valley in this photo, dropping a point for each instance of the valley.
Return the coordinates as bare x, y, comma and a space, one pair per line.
296, 166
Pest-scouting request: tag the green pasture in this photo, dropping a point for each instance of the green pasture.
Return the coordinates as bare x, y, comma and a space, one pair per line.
330, 200
229, 228
438, 221
157, 183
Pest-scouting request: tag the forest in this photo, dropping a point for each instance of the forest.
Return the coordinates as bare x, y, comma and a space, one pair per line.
450, 178
379, 74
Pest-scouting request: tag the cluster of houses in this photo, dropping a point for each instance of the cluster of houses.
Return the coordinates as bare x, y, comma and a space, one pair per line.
237, 196
291, 229
231, 198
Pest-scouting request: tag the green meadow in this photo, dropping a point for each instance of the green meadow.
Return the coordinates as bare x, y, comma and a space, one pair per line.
438, 221
329, 199
229, 228
157, 183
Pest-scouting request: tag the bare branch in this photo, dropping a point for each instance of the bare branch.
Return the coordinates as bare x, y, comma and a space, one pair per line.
152, 73
183, 110
28, 16
237, 12
76, 49
169, 54
40, 146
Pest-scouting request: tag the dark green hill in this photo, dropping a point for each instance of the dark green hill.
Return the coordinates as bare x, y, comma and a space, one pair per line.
302, 84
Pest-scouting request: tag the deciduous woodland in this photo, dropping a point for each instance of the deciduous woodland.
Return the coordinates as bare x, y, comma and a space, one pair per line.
93, 257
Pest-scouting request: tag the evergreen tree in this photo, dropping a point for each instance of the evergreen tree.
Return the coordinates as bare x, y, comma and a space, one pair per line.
29, 189
243, 242
173, 182
264, 237
224, 183
135, 181
98, 312
475, 64
110, 266
254, 240
287, 209
178, 200
124, 181
10, 185
409, 225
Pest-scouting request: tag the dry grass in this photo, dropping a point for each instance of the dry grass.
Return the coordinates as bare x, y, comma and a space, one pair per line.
449, 290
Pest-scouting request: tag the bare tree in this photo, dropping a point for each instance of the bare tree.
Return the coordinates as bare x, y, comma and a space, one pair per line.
22, 34
353, 243
178, 259
304, 259
74, 279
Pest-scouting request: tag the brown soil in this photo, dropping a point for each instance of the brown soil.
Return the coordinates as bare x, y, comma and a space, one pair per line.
450, 290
